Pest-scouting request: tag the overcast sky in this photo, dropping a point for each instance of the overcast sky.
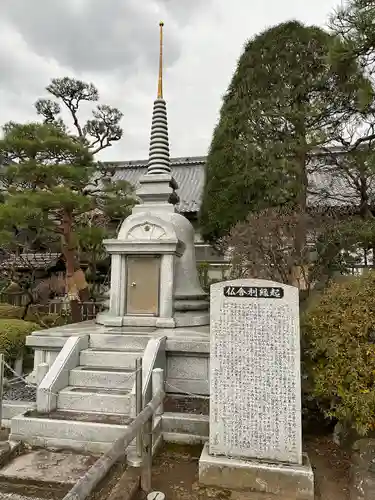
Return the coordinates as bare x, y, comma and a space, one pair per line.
114, 44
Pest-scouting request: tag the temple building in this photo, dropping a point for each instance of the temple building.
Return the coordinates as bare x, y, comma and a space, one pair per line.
327, 188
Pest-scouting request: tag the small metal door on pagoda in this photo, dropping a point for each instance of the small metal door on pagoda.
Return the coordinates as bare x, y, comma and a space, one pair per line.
143, 285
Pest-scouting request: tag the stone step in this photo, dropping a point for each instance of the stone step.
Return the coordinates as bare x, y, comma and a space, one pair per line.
13, 408
185, 423
122, 342
69, 430
97, 400
191, 305
96, 376
185, 428
114, 359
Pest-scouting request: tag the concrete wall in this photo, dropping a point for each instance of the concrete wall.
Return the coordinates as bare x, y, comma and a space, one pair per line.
187, 373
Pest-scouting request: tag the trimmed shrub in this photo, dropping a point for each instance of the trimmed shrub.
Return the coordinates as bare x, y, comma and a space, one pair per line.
10, 311
53, 320
13, 333
339, 352
34, 316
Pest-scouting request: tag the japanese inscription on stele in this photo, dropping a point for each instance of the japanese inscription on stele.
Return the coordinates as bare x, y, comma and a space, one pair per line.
266, 292
255, 394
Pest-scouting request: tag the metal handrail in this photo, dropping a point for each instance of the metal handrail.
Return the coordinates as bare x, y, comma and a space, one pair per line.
84, 487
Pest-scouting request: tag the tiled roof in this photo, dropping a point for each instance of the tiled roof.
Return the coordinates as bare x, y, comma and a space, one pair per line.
324, 186
331, 190
332, 186
188, 172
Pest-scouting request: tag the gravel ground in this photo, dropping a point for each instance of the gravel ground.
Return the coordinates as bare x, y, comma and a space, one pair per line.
175, 473
19, 391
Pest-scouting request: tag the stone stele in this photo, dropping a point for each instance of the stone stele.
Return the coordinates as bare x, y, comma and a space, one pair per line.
255, 390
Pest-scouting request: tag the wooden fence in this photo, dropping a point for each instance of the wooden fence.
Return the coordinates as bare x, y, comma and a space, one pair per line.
89, 310
15, 299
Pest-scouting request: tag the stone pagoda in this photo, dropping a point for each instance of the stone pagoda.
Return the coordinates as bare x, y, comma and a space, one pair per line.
154, 279
158, 313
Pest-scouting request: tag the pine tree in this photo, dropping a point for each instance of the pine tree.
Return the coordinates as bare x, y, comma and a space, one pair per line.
50, 181
283, 102
354, 47
354, 27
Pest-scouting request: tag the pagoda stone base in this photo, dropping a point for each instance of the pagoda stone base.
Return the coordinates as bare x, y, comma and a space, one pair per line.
187, 350
258, 479
107, 319
179, 320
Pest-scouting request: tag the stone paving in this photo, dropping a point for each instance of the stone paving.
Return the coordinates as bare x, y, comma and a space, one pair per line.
15, 496
47, 466
42, 474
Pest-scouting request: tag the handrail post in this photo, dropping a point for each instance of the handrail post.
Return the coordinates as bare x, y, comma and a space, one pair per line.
158, 385
147, 457
1, 388
138, 402
146, 475
86, 484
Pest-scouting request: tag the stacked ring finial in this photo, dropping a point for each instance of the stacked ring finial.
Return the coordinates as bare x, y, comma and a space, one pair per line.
159, 160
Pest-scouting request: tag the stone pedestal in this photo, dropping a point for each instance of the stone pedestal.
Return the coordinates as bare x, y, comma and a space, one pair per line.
285, 481
255, 395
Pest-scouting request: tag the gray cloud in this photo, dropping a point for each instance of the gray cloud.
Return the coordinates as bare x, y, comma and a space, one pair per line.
114, 44
99, 35
184, 11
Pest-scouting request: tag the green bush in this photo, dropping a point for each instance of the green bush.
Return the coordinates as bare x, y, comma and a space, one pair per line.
202, 269
33, 315
9, 311
13, 333
53, 319
339, 352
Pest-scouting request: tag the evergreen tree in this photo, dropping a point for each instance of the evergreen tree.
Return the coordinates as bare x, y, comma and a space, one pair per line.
54, 184
99, 132
353, 47
50, 181
283, 102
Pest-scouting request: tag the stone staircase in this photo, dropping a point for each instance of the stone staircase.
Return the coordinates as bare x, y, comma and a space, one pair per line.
96, 405
102, 383
97, 400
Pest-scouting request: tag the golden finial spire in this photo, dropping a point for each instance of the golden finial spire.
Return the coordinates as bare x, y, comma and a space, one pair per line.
160, 82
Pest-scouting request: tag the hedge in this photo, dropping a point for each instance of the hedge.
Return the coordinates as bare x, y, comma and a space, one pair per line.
9, 311
13, 333
339, 351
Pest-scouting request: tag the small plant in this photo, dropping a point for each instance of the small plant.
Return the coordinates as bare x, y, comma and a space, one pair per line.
13, 333
203, 275
54, 319
339, 351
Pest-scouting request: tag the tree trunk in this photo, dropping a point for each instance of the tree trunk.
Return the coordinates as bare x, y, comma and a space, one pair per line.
365, 210
28, 304
69, 254
302, 257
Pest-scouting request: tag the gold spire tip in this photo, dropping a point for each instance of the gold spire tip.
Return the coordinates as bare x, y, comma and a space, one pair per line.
160, 81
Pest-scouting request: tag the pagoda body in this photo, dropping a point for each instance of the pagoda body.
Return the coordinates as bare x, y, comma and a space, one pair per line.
154, 279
